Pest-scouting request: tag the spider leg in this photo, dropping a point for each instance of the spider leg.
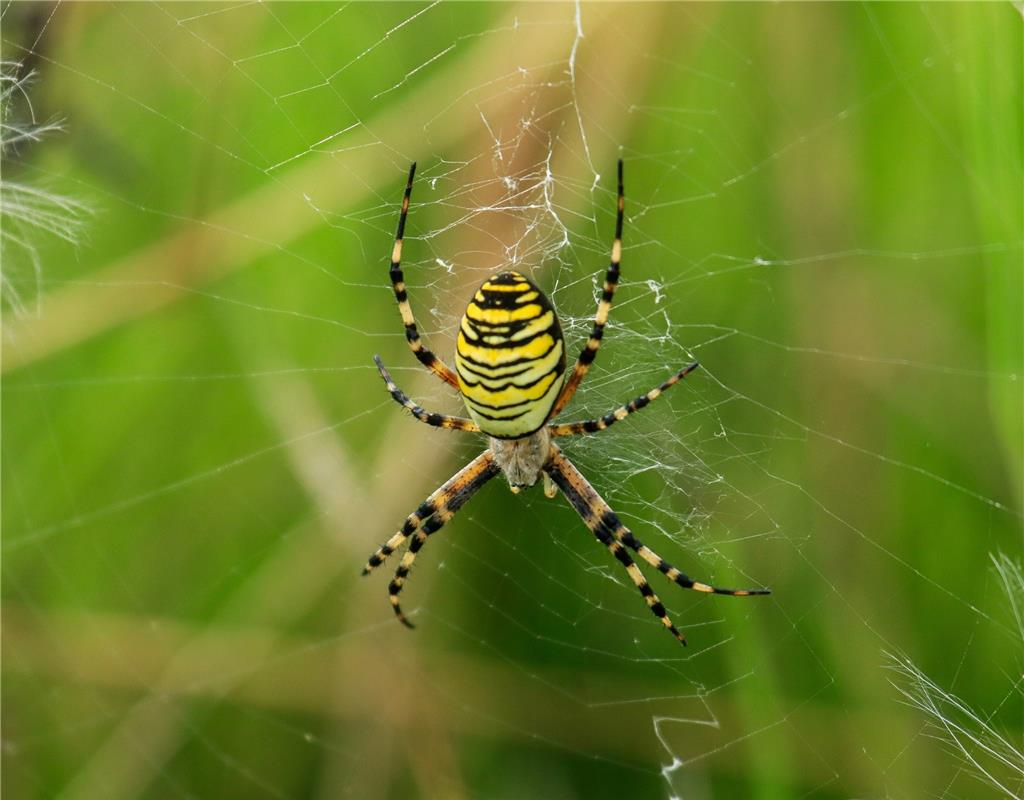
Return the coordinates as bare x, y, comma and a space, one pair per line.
592, 509
434, 512
599, 515
405, 565
430, 418
412, 335
611, 281
625, 535
599, 424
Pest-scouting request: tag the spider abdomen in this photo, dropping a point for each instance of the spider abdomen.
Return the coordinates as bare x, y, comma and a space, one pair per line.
510, 357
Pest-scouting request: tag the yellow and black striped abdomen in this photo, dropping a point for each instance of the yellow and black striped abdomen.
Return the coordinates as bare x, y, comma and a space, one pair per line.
510, 357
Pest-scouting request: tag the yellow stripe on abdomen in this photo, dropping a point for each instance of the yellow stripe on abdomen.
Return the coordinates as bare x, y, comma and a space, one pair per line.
502, 316
510, 357
494, 354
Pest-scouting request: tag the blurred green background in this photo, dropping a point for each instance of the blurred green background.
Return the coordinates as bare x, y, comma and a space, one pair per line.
824, 207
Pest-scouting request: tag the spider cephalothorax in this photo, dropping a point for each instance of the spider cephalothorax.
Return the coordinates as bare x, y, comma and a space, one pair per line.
509, 369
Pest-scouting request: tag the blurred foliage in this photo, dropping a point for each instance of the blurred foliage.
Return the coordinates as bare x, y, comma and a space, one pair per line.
198, 455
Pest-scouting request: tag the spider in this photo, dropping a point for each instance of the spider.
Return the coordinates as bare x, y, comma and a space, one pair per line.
509, 369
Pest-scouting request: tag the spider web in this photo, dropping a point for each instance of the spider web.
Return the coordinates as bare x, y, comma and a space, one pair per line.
199, 455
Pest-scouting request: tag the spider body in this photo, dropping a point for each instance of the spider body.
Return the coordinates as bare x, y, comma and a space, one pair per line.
509, 357
510, 371
522, 459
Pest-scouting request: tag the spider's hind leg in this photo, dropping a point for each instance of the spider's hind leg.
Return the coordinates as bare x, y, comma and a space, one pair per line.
412, 334
604, 307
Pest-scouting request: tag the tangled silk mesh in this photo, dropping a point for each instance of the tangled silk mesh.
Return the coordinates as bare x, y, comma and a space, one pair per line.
516, 170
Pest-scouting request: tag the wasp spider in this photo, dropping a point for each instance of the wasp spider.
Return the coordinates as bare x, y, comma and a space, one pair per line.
509, 368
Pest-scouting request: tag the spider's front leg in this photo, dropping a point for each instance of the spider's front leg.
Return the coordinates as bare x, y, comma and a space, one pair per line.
608, 529
434, 512
561, 472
